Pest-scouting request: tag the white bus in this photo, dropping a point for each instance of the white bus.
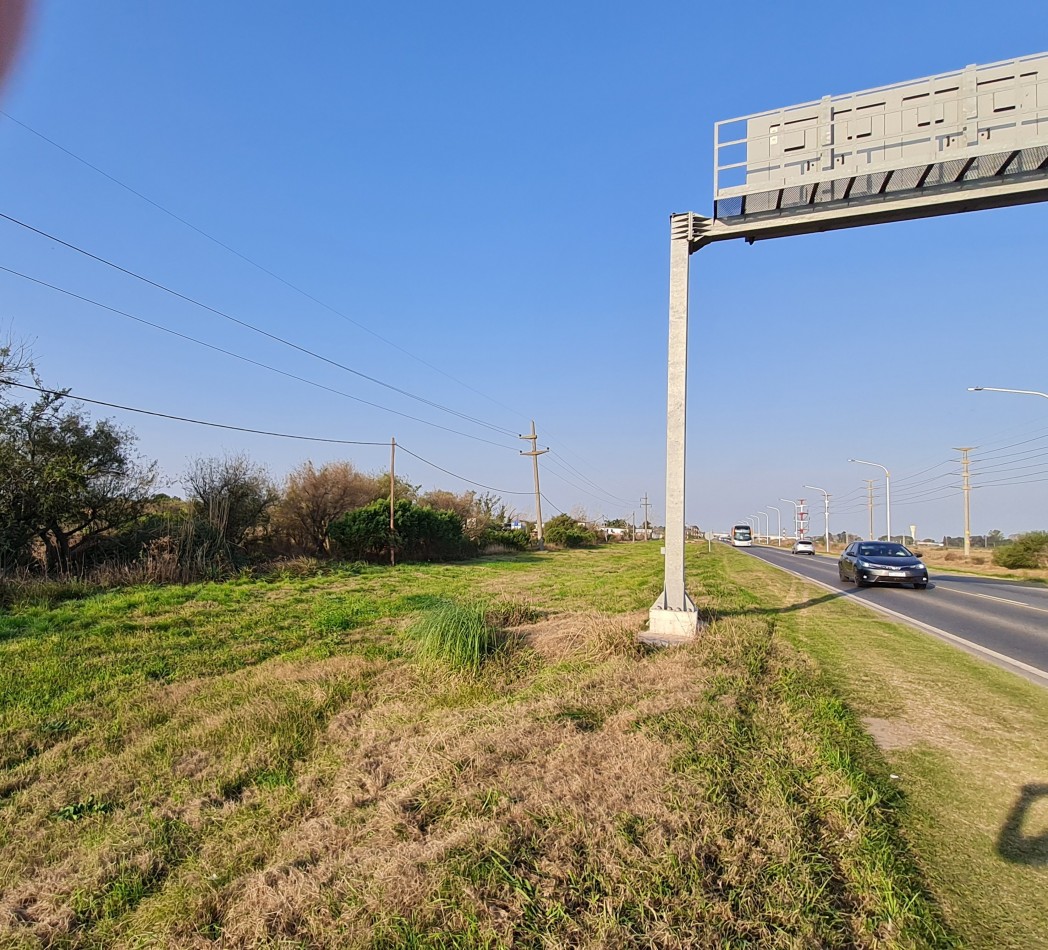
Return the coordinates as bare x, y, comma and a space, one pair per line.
741, 536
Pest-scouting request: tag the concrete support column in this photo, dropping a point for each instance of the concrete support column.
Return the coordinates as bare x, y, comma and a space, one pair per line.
674, 612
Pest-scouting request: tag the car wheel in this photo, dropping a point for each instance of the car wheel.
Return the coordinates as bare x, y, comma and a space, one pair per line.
923, 585
840, 574
859, 582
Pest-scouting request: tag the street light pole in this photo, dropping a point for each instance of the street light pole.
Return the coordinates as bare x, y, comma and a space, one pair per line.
767, 518
826, 511
887, 492
778, 515
796, 508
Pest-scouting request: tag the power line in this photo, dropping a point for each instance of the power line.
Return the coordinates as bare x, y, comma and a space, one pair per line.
603, 498
155, 204
246, 359
250, 326
563, 461
248, 260
500, 491
280, 435
906, 478
999, 453
199, 422
553, 506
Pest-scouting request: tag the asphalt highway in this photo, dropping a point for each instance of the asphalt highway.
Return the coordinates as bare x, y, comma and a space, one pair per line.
1002, 621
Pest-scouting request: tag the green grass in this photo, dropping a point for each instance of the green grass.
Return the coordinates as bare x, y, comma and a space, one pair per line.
965, 738
459, 635
279, 761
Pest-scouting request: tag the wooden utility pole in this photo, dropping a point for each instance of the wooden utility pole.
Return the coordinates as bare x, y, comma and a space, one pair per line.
392, 493
535, 453
967, 488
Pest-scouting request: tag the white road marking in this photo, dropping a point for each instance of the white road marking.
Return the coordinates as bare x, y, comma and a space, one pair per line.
1003, 600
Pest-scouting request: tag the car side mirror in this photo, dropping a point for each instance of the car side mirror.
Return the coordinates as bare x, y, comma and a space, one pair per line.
918, 554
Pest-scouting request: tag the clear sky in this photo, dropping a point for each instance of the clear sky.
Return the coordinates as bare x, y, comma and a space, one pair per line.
479, 193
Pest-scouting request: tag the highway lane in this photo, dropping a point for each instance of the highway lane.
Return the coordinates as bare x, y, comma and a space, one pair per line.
1003, 621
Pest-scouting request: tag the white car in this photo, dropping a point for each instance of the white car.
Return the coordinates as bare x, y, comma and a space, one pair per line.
803, 546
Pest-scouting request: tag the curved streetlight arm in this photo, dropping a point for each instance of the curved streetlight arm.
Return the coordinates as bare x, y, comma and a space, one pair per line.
790, 501
887, 491
994, 389
826, 511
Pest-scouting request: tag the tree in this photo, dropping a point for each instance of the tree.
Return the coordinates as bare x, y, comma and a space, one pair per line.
314, 497
65, 480
232, 494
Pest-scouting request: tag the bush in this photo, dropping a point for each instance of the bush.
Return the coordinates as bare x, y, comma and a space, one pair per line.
421, 533
564, 530
512, 538
1028, 550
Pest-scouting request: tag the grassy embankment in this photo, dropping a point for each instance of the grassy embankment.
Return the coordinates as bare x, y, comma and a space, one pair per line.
969, 742
297, 763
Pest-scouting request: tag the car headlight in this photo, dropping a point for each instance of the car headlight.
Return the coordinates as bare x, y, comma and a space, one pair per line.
920, 566
861, 563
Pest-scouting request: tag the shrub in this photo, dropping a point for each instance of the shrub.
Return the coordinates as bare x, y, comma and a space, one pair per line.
421, 533
564, 530
1028, 550
511, 538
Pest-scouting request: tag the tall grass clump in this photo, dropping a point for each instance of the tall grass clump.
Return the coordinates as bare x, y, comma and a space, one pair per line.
461, 636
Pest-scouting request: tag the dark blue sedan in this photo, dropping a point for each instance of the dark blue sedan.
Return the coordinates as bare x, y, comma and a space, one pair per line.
881, 562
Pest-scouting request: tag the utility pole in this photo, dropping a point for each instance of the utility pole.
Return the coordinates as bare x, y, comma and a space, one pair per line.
645, 504
967, 488
392, 493
869, 505
535, 453
633, 518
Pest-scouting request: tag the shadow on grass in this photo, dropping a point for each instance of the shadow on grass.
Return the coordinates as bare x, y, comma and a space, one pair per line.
756, 611
1018, 844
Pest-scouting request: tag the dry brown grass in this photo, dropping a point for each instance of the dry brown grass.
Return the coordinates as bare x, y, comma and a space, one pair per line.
584, 791
979, 562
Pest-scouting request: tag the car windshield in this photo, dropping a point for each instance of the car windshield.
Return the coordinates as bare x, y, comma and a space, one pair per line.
883, 550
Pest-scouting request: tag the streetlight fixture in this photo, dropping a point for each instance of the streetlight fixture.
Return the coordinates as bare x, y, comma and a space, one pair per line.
796, 507
994, 389
887, 492
778, 536
767, 518
826, 511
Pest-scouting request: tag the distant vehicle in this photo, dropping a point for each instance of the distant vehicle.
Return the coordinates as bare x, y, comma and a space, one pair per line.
881, 562
803, 546
741, 537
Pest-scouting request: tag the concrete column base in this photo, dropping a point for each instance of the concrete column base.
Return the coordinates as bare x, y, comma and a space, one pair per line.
671, 625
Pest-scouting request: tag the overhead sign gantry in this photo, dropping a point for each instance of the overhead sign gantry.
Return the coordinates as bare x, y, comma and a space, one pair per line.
966, 140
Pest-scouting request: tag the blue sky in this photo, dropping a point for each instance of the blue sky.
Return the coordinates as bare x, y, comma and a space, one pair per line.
481, 191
